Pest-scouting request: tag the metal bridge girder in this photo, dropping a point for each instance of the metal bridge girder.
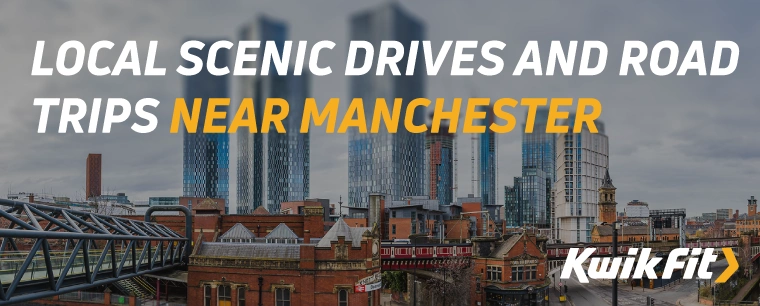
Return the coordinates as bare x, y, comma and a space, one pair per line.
46, 270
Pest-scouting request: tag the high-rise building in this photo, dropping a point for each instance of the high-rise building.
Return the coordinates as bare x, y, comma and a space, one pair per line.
488, 161
94, 175
206, 156
581, 162
526, 199
272, 167
530, 198
390, 164
439, 163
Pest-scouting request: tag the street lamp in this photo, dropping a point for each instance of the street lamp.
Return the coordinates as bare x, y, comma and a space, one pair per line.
615, 226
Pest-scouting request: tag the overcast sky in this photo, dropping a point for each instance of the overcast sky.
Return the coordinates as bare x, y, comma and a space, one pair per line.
675, 142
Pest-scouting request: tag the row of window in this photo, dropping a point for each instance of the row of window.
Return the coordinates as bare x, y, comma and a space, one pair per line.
281, 296
519, 273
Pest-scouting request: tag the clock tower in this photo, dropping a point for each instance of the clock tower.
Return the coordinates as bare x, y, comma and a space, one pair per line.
607, 204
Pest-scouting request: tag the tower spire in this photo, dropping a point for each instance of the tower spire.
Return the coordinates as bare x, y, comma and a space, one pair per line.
607, 182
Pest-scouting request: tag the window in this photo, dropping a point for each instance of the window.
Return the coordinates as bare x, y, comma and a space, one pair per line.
342, 297
530, 273
282, 297
517, 274
207, 295
493, 273
477, 284
241, 296
393, 214
225, 296
393, 229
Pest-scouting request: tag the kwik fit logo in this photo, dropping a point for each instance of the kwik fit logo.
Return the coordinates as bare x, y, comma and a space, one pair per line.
601, 268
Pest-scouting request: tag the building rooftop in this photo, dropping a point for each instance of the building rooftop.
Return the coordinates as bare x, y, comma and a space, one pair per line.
353, 234
260, 211
238, 231
282, 231
250, 250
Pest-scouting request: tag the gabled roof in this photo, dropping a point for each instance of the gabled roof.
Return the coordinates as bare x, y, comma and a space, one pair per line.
282, 231
504, 248
238, 231
353, 234
260, 211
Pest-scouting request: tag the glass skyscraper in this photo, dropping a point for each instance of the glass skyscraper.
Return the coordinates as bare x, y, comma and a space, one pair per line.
538, 170
206, 157
525, 201
273, 167
581, 162
391, 164
439, 163
488, 161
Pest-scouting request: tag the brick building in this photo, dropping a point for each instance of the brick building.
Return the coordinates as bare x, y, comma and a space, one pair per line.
285, 271
510, 271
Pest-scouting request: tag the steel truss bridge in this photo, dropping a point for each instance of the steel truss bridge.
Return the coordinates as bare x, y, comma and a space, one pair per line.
47, 251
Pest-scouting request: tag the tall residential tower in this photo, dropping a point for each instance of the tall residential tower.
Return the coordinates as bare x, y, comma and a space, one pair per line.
391, 164
488, 159
439, 163
206, 157
581, 162
273, 167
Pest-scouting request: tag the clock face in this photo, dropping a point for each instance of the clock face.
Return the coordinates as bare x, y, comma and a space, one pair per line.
375, 247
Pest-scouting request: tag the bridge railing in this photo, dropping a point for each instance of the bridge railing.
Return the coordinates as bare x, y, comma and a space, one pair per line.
53, 251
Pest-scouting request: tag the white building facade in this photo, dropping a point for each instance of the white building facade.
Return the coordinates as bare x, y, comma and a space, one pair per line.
581, 162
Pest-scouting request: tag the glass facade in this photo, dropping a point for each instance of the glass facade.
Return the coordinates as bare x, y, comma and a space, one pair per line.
273, 167
206, 157
488, 160
537, 164
390, 164
581, 162
525, 201
512, 204
439, 163
157, 201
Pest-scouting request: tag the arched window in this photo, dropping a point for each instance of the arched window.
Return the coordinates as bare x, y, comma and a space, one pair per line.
282, 297
207, 295
342, 297
241, 296
224, 296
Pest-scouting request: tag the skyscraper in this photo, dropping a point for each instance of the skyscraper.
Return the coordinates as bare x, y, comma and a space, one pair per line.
533, 205
391, 164
526, 199
439, 163
93, 175
206, 157
272, 168
488, 160
581, 163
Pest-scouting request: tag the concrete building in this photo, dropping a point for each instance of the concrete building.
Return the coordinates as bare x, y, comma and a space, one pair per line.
581, 163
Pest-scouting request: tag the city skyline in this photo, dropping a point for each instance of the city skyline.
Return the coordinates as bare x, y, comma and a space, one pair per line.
669, 151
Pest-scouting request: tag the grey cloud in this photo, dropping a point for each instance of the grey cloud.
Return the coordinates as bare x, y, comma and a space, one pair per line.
675, 141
